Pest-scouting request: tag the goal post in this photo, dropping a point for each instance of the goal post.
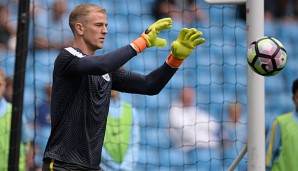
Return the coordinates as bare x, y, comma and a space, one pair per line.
255, 86
255, 91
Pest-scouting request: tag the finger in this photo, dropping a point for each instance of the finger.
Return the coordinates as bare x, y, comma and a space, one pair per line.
195, 36
164, 20
163, 25
160, 42
183, 33
199, 41
190, 33
159, 25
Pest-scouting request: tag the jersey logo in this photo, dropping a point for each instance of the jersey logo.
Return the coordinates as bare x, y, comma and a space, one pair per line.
74, 52
106, 77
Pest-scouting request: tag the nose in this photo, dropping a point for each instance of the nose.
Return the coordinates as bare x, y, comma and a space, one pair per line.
105, 30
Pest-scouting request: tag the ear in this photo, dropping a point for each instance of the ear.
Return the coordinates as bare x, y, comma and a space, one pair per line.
79, 28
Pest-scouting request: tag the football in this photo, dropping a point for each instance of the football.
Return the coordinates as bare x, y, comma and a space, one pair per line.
266, 56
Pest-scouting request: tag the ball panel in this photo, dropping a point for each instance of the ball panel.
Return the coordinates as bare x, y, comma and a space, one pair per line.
267, 47
251, 52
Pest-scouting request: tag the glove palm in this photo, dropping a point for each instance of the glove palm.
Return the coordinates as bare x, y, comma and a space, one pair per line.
187, 40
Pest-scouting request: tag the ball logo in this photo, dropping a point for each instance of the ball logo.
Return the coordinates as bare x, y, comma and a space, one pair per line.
106, 77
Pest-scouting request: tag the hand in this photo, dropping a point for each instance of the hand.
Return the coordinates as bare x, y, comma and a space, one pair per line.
149, 36
187, 40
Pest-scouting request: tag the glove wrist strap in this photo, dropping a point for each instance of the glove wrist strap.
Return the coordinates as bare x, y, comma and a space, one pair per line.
139, 44
173, 62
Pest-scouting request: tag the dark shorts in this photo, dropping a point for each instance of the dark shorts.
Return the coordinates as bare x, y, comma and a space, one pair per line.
54, 165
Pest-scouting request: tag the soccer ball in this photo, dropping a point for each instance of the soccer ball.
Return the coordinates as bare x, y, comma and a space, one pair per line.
266, 56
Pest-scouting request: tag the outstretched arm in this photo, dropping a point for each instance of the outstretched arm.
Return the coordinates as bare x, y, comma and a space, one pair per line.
151, 84
154, 82
109, 62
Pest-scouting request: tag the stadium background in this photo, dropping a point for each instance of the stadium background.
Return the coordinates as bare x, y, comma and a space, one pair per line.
216, 69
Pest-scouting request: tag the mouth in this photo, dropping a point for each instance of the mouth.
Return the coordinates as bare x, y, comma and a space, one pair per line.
102, 39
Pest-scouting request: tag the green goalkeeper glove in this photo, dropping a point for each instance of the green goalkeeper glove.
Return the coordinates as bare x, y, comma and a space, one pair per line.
149, 36
181, 48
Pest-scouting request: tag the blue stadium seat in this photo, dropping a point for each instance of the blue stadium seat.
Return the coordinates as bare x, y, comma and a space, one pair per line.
216, 35
7, 62
230, 13
155, 137
203, 94
163, 118
230, 74
148, 156
275, 84
216, 93
173, 157
229, 54
216, 15
216, 54
241, 74
271, 29
240, 32
288, 32
203, 75
230, 93
216, 73
177, 80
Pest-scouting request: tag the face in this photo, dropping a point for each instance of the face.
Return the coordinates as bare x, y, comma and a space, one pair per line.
188, 97
2, 86
114, 94
95, 30
295, 100
235, 112
60, 7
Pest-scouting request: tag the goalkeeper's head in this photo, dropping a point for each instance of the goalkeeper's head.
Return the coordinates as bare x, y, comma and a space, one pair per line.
88, 23
295, 93
81, 13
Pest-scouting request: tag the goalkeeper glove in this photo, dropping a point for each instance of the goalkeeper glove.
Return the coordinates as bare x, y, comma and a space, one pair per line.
149, 36
181, 48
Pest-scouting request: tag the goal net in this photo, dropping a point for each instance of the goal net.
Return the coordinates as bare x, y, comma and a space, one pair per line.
206, 134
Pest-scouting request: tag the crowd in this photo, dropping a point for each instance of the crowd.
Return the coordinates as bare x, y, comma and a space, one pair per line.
212, 107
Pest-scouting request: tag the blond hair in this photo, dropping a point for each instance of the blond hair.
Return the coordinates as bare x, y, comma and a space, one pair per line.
80, 13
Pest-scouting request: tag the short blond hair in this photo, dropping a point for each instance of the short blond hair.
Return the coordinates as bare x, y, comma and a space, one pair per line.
80, 13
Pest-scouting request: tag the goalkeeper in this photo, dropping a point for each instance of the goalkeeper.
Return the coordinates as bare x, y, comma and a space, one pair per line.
82, 84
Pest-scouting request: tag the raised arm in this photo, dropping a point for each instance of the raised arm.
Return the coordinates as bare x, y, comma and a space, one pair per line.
154, 82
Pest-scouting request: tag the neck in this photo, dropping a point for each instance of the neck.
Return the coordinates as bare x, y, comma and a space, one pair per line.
78, 43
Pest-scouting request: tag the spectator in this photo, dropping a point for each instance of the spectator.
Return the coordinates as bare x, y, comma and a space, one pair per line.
186, 11
43, 125
191, 127
52, 29
5, 126
282, 138
7, 31
121, 143
234, 135
8, 89
195, 132
286, 10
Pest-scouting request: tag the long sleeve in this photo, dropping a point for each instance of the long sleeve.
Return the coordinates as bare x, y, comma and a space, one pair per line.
273, 144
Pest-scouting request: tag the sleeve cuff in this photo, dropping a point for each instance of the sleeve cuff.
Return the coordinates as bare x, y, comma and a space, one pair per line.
139, 44
173, 62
